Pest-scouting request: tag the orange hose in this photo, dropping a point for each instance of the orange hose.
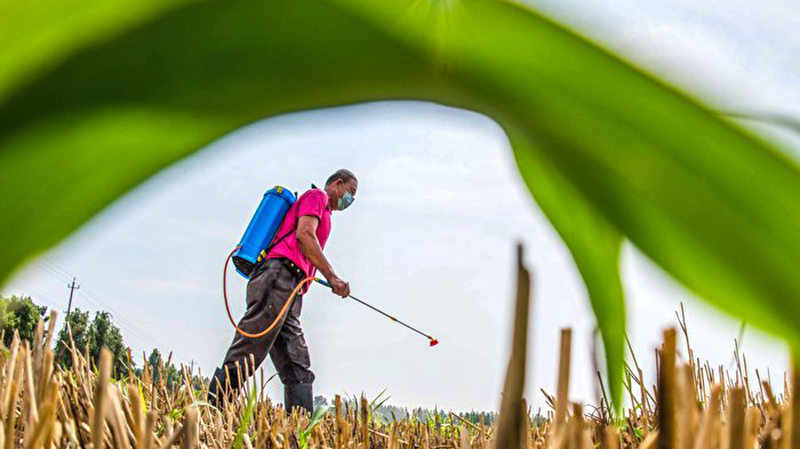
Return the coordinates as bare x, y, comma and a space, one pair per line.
280, 314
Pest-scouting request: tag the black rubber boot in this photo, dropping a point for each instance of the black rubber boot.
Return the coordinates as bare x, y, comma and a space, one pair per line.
298, 395
218, 387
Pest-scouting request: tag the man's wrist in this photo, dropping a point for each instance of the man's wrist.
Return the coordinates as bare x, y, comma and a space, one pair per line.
330, 275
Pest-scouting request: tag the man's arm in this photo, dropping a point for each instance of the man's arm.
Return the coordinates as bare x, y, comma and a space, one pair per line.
309, 245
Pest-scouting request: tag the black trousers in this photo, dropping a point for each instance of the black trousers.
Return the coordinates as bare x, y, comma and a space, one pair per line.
267, 291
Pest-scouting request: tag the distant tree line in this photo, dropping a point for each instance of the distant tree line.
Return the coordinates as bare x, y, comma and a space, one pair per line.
390, 412
21, 315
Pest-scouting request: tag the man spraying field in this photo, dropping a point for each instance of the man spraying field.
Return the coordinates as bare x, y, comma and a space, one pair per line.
296, 255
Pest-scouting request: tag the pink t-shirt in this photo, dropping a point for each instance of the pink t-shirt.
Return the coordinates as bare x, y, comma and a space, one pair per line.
313, 202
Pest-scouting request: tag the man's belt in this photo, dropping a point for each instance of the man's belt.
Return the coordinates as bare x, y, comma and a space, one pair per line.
296, 271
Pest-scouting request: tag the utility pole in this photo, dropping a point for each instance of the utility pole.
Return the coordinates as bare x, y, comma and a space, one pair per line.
72, 289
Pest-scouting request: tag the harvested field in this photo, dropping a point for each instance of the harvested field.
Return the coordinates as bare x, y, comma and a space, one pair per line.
692, 405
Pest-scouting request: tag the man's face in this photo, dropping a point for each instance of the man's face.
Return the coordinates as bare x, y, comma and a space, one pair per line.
350, 186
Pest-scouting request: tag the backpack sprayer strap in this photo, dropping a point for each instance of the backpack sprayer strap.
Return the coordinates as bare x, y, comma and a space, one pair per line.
262, 256
265, 251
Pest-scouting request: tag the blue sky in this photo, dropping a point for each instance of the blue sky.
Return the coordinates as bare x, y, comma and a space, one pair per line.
430, 237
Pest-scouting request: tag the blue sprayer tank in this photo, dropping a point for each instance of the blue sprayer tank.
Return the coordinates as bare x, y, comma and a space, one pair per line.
262, 228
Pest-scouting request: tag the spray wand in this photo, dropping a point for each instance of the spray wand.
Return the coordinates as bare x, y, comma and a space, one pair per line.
431, 340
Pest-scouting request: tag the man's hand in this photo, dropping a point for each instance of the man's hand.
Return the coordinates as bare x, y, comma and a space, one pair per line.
340, 287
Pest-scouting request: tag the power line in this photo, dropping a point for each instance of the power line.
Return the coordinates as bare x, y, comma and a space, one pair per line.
55, 270
54, 267
51, 271
91, 294
96, 297
125, 323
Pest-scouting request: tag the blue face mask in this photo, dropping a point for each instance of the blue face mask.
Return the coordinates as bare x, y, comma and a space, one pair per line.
345, 200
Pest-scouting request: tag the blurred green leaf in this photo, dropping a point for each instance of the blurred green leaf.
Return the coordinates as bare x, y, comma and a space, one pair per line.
594, 243
115, 95
784, 121
38, 35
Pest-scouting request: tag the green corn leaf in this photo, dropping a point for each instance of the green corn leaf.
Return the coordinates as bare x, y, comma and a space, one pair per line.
302, 438
784, 121
380, 404
316, 418
594, 244
117, 94
376, 399
29, 48
241, 433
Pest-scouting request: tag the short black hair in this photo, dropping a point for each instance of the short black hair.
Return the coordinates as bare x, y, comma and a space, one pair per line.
344, 174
